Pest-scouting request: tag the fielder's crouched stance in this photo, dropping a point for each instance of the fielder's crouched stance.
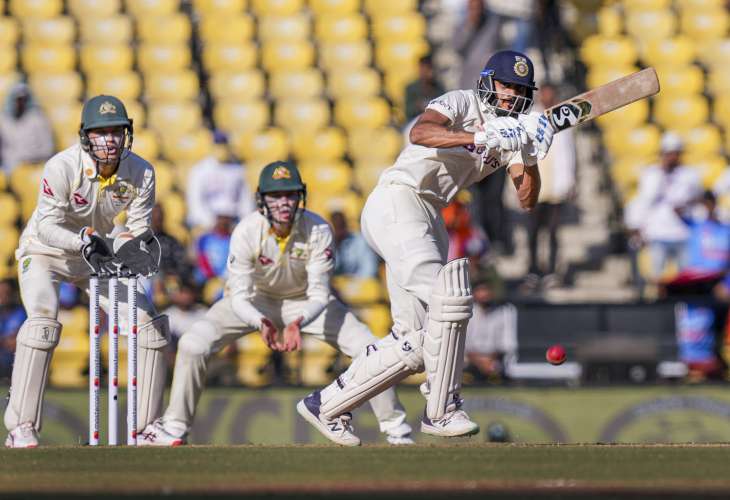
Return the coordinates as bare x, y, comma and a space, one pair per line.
462, 137
280, 264
83, 189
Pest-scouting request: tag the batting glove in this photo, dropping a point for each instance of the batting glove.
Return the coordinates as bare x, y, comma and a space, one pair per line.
506, 133
540, 132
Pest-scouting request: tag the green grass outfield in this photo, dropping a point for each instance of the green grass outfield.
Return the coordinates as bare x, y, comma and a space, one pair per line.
439, 471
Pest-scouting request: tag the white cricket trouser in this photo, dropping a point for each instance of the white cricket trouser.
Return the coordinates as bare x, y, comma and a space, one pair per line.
221, 326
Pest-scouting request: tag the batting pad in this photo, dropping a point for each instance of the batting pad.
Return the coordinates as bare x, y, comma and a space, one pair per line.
449, 310
35, 343
382, 365
154, 336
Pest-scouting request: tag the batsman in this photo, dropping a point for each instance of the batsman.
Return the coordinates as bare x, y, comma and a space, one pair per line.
461, 137
82, 190
280, 264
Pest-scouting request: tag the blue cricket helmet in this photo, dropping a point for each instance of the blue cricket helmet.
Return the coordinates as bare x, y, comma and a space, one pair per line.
507, 66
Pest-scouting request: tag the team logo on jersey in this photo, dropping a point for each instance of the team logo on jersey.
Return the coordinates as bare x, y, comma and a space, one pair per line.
265, 261
299, 251
47, 189
521, 68
106, 108
80, 200
26, 264
281, 173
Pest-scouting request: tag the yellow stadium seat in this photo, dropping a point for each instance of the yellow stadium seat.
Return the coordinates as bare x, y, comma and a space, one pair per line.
342, 56
65, 116
681, 112
261, 146
241, 116
254, 366
174, 206
25, 180
388, 139
700, 4
206, 8
229, 57
625, 173
363, 82
651, 24
331, 177
175, 118
93, 9
172, 29
56, 87
324, 144
342, 28
318, 359
163, 58
145, 8
721, 111
302, 114
610, 21
106, 59
396, 83
164, 178
9, 235
36, 9
276, 7
714, 54
334, 7
8, 60
676, 51
377, 317
125, 86
681, 80
290, 55
710, 168
136, 112
354, 113
403, 55
354, 290
146, 144
378, 8
411, 26
349, 203
64, 138
58, 30
599, 75
111, 30
48, 58
9, 31
71, 355
187, 149
705, 24
241, 85
718, 81
636, 141
627, 117
181, 85
283, 28
598, 50
3, 181
305, 83
226, 29
9, 209
632, 5
367, 173
701, 141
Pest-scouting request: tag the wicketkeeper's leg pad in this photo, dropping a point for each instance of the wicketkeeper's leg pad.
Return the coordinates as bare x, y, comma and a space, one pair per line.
34, 347
382, 365
154, 337
449, 310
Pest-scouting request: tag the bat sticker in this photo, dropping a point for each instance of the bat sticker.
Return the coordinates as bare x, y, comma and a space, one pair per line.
570, 114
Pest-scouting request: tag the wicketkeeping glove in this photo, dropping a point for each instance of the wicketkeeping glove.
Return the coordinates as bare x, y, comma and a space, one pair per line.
140, 254
96, 252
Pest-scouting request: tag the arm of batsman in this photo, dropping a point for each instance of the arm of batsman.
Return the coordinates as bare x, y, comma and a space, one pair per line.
540, 132
139, 254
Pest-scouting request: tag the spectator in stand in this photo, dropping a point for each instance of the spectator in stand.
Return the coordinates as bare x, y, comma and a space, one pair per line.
12, 316
212, 247
651, 217
25, 133
174, 260
215, 179
353, 256
465, 239
708, 244
422, 90
557, 175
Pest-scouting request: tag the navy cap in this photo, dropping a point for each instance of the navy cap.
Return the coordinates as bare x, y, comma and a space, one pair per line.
510, 66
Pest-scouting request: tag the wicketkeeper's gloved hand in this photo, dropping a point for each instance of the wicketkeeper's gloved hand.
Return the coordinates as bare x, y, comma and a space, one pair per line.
96, 252
139, 254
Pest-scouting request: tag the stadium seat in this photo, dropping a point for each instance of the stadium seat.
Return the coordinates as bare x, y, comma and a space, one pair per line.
146, 144
682, 80
610, 21
625, 173
342, 28
305, 84
641, 141
377, 317
241, 85
599, 50
289, 55
714, 54
56, 87
700, 4
136, 111
367, 173
9, 210
334, 7
241, 116
9, 31
181, 85
599, 75
106, 59
641, 5
669, 52
254, 369
126, 86
64, 116
36, 9
721, 111
302, 114
335, 56
169, 29
71, 355
364, 82
324, 144
187, 149
378, 8
8, 60
317, 361
349, 203
174, 206
403, 55
9, 236
164, 178
148, 8
229, 57
705, 24
629, 116
710, 168
718, 81
354, 113
231, 29
175, 118
651, 24
396, 83
359, 291
702, 141
59, 30
411, 26
206, 8
7, 80
388, 139
327, 178
48, 58
163, 58
112, 30
681, 112
93, 9
261, 146
276, 7
284, 28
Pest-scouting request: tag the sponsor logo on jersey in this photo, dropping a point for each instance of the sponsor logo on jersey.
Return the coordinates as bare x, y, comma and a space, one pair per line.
265, 261
106, 108
47, 189
521, 68
80, 200
281, 173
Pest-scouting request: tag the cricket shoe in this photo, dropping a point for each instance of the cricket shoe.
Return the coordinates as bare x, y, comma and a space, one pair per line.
399, 436
453, 424
338, 429
156, 435
23, 436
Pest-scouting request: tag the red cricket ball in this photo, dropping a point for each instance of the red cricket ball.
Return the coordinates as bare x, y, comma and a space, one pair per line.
556, 355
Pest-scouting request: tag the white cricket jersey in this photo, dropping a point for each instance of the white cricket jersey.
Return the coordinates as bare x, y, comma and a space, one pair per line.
71, 197
298, 268
439, 173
